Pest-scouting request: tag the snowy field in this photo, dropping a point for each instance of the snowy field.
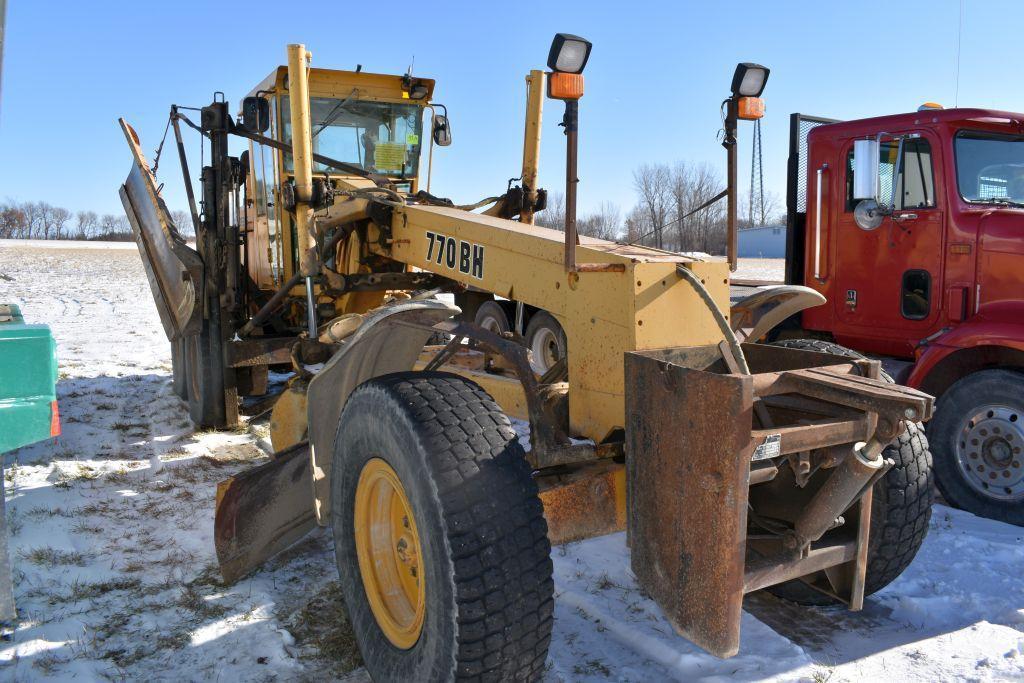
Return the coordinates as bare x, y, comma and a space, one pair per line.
111, 533
765, 269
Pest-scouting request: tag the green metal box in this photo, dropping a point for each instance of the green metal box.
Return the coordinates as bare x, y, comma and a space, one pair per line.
28, 378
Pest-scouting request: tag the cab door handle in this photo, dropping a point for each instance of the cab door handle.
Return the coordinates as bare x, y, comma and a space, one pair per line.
900, 217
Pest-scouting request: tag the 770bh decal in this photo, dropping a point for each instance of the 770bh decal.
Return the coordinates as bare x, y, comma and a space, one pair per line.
456, 254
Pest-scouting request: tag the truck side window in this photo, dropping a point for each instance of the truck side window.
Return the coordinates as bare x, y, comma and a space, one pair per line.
915, 185
915, 295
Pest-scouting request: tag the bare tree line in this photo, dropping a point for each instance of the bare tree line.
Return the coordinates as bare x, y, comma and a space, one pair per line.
667, 213
43, 221
605, 223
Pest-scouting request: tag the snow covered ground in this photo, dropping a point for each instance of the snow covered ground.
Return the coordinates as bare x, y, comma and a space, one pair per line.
111, 534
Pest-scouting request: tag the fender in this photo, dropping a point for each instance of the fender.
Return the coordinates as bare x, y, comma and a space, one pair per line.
753, 316
932, 353
389, 340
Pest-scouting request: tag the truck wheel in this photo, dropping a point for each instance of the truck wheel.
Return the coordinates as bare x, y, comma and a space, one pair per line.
439, 533
492, 317
978, 436
546, 340
205, 367
901, 504
179, 373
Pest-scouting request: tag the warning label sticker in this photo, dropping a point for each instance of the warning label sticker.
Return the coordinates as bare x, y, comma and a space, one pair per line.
389, 156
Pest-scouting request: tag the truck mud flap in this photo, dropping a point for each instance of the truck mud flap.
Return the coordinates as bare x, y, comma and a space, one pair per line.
174, 270
262, 511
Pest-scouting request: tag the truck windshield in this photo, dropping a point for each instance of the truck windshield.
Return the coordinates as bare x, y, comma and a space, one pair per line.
382, 137
990, 167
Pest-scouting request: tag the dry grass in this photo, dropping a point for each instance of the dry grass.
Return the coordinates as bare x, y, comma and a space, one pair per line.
323, 623
46, 556
198, 604
94, 589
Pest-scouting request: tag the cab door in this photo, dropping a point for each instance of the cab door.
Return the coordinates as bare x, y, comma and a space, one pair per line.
889, 280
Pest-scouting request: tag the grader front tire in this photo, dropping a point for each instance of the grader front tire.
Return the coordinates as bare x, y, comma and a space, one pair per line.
433, 508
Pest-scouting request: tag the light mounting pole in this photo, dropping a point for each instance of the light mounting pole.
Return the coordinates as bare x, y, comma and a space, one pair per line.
567, 58
745, 104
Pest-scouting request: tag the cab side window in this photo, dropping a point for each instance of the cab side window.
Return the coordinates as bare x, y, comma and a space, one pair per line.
915, 183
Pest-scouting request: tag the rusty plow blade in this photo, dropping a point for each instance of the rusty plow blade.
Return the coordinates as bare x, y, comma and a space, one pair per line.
262, 511
713, 460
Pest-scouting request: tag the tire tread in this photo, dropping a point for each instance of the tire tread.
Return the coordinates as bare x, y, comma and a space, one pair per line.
495, 525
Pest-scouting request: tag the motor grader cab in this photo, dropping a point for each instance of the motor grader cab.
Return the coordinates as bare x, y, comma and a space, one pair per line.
732, 466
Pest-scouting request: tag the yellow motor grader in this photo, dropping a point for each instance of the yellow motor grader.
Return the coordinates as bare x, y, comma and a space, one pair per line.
733, 466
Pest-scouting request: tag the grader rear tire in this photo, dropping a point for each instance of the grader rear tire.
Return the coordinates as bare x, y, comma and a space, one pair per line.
440, 536
492, 317
901, 505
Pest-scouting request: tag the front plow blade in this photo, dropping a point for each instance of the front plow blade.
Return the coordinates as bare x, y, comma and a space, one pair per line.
174, 269
687, 479
262, 511
695, 431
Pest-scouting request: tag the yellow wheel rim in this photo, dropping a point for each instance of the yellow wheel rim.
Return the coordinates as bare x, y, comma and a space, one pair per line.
388, 549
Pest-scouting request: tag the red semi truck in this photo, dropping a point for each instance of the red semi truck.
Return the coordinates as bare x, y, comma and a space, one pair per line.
912, 227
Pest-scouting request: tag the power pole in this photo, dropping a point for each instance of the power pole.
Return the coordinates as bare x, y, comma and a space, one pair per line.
756, 213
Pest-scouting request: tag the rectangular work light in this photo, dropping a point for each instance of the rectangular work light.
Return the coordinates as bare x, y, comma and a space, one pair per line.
568, 53
749, 79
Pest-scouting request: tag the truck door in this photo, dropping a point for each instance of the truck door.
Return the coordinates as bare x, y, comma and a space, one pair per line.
889, 280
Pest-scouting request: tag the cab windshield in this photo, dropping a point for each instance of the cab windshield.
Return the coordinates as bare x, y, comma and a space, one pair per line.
381, 137
990, 167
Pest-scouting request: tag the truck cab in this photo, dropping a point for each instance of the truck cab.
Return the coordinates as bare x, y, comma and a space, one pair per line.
928, 268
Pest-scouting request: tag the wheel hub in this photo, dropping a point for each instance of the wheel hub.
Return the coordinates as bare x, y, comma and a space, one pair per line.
544, 347
990, 452
388, 550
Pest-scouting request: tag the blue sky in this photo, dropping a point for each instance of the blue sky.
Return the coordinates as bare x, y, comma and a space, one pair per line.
656, 76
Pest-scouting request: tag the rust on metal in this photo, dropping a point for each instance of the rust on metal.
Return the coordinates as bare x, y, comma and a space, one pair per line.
583, 504
262, 511
600, 268
687, 494
776, 569
689, 477
260, 351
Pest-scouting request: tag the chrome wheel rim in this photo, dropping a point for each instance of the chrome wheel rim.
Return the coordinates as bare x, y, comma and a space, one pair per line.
990, 452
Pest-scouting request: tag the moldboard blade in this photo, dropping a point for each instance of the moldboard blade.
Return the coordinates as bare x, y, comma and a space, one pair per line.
262, 511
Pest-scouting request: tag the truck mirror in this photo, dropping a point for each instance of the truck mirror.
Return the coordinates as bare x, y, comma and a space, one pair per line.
256, 114
442, 131
865, 169
867, 215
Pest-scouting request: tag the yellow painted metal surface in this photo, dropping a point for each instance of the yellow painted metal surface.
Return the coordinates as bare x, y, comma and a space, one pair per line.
288, 421
604, 314
339, 83
388, 550
531, 140
302, 153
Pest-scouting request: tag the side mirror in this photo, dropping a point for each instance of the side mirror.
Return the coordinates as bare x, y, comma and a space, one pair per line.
865, 169
442, 131
256, 114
